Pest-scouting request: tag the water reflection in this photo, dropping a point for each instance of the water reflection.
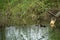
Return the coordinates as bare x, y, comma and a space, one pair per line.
31, 32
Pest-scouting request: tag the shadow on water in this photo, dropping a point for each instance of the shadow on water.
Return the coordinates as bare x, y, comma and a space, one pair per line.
31, 32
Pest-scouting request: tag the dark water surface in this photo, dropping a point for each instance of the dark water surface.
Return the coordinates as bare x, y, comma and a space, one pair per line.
31, 32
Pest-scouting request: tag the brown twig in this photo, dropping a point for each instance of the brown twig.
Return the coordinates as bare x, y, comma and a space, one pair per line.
51, 13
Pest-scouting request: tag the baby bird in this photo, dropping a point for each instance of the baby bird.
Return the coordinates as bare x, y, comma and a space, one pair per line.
52, 22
